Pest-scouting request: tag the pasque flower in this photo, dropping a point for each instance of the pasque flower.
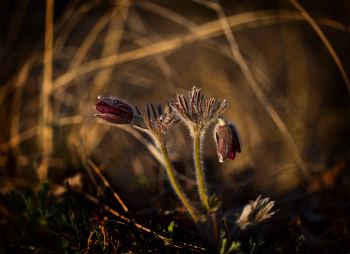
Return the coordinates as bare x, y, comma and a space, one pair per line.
156, 123
227, 139
114, 111
198, 115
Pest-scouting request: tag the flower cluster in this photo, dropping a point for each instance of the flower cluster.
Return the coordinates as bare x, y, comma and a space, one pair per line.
197, 115
192, 112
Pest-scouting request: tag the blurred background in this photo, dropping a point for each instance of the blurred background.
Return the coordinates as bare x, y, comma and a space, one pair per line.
294, 124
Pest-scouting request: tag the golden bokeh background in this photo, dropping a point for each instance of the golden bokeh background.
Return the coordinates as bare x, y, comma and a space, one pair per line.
293, 117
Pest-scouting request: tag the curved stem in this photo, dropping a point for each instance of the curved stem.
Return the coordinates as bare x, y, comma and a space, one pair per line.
176, 186
199, 171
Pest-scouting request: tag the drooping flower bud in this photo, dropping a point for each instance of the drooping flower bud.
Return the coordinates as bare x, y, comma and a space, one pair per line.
114, 111
227, 139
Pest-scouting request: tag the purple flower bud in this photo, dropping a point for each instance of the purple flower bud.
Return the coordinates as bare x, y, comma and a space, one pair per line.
227, 139
114, 111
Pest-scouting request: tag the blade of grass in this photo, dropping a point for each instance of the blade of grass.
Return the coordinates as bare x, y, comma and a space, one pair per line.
258, 92
215, 229
98, 172
202, 32
112, 211
228, 232
324, 40
160, 207
46, 130
96, 233
74, 215
111, 44
93, 34
297, 94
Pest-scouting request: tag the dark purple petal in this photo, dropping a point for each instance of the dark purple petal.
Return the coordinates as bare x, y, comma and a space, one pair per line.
113, 118
114, 111
236, 142
227, 141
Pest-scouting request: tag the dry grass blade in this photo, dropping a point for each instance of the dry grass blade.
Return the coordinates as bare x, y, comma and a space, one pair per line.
215, 229
71, 18
203, 32
228, 232
258, 92
112, 211
150, 147
324, 40
98, 172
200, 33
169, 14
16, 140
46, 94
103, 77
90, 38
160, 207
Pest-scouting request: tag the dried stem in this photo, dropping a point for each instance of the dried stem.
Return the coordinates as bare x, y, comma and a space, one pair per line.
256, 89
324, 40
228, 232
46, 94
114, 212
98, 172
160, 207
215, 229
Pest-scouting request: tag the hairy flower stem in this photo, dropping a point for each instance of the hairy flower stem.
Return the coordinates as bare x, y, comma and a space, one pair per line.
199, 171
175, 184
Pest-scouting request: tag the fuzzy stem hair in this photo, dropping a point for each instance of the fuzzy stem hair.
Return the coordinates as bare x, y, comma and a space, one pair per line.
175, 184
199, 170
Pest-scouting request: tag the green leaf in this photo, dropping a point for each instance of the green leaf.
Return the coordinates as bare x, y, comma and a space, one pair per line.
42, 193
214, 204
234, 247
222, 234
171, 227
28, 202
223, 246
63, 243
255, 246
300, 241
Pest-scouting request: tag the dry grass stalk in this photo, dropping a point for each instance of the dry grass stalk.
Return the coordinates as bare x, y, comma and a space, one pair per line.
324, 40
98, 172
258, 92
46, 94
